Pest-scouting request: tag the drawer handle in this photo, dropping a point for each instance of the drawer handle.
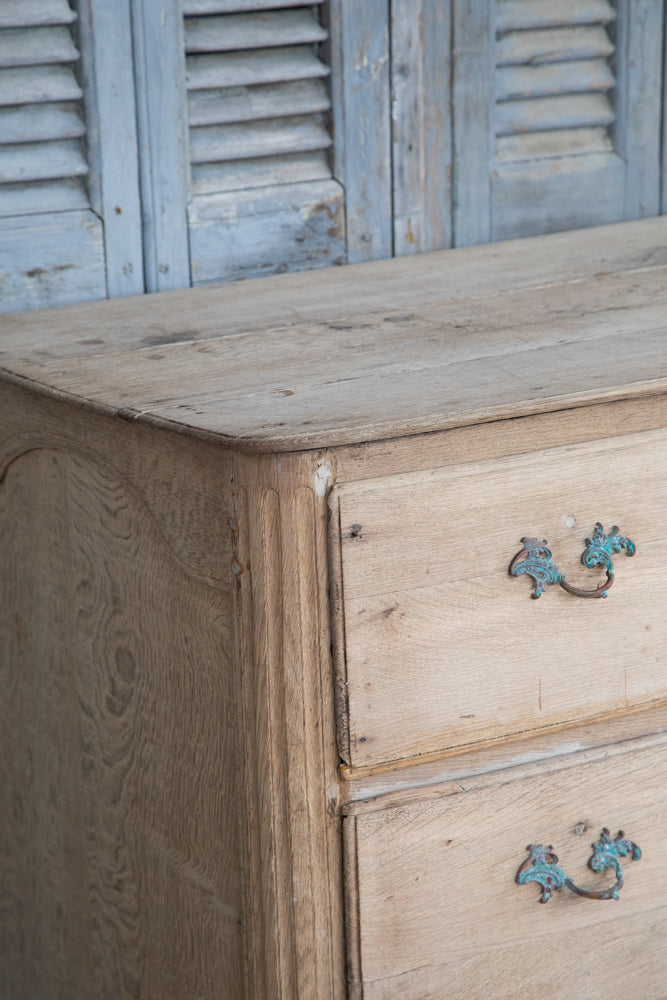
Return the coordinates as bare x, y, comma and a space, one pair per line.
542, 866
534, 560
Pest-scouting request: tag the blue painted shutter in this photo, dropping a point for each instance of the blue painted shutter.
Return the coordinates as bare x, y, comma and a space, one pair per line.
556, 112
235, 144
56, 246
263, 199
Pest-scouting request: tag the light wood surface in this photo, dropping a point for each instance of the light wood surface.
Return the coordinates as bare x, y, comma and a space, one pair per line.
291, 824
440, 916
443, 647
176, 821
408, 346
168, 734
416, 779
121, 868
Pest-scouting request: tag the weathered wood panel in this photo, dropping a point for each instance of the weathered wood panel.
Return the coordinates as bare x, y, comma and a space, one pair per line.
367, 789
232, 6
640, 81
553, 194
121, 849
159, 72
291, 826
40, 121
43, 161
106, 50
38, 83
440, 914
573, 116
443, 648
382, 374
421, 132
348, 296
37, 161
53, 259
36, 45
204, 820
360, 59
248, 234
472, 110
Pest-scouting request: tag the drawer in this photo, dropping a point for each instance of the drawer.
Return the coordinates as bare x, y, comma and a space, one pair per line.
438, 646
435, 912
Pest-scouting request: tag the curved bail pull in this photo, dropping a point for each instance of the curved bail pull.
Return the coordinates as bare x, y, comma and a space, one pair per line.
534, 560
542, 866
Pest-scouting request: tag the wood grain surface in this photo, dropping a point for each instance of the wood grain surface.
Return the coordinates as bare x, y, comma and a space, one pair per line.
400, 347
443, 647
173, 802
121, 851
404, 782
291, 827
170, 817
440, 916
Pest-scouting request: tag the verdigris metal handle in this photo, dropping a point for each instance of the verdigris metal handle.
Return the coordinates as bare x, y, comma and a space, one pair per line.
542, 866
534, 560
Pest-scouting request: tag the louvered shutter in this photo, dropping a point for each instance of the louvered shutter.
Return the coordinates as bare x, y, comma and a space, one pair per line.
57, 242
236, 142
556, 113
262, 194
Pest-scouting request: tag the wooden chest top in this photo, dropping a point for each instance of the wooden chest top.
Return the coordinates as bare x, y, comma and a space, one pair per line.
371, 351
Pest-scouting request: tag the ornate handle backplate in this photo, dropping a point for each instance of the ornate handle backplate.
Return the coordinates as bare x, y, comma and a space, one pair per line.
534, 560
542, 866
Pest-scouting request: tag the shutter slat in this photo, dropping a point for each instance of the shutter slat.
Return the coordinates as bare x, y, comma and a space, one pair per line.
43, 83
271, 138
36, 46
41, 161
516, 15
32, 123
27, 13
252, 31
236, 104
572, 111
557, 45
563, 142
191, 7
37, 197
240, 69
553, 78
269, 170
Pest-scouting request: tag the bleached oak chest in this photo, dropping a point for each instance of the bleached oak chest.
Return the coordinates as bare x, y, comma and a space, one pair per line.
278, 724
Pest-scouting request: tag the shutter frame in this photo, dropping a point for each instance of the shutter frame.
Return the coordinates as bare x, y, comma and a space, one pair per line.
254, 192
62, 241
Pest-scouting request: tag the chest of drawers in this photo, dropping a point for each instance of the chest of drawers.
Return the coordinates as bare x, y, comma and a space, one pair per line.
278, 724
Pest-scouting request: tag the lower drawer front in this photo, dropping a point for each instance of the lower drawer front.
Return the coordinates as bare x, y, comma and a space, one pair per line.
439, 915
443, 648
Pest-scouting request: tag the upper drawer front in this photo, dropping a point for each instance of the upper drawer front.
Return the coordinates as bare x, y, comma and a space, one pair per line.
439, 916
443, 648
